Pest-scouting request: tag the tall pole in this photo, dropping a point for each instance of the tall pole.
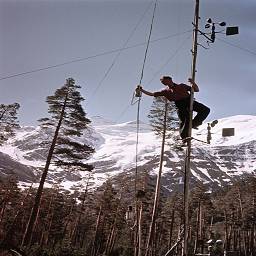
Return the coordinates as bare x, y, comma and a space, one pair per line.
188, 151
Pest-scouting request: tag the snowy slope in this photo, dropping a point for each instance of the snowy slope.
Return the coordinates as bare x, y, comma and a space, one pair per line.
217, 164
235, 154
25, 149
245, 130
118, 152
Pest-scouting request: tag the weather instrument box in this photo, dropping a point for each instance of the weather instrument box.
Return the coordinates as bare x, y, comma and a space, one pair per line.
230, 31
226, 132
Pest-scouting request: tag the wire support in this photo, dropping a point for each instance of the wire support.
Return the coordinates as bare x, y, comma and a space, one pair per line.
145, 56
174, 54
120, 51
133, 102
138, 225
150, 32
193, 138
139, 98
86, 58
237, 46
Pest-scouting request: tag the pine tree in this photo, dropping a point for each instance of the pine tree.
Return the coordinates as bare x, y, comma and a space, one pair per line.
157, 114
69, 152
162, 121
70, 122
8, 120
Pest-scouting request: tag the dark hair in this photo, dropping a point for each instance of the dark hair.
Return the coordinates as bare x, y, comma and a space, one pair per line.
166, 77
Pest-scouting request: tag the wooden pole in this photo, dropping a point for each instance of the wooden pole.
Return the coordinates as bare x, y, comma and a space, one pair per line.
188, 151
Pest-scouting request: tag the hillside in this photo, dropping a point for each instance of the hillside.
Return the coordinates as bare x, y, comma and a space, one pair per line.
223, 161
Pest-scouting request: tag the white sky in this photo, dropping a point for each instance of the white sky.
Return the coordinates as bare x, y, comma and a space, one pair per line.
39, 34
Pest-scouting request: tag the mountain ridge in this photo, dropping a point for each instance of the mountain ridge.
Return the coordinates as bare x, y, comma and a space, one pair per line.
223, 161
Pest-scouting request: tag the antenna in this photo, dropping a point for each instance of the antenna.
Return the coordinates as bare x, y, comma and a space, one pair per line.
210, 24
211, 36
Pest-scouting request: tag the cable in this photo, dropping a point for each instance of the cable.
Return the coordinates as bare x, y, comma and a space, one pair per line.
156, 73
141, 77
145, 57
137, 222
123, 112
120, 51
87, 58
150, 32
169, 59
237, 46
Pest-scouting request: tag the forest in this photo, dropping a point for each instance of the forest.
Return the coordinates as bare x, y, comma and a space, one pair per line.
101, 222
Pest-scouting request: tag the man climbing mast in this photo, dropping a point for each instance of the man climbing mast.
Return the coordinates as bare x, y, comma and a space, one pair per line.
180, 94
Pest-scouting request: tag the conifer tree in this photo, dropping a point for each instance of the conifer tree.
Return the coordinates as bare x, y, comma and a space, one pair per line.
157, 114
69, 152
8, 120
162, 121
70, 122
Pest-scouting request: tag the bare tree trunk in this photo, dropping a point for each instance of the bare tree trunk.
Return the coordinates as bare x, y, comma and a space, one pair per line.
197, 227
202, 232
49, 217
10, 231
239, 241
68, 221
2, 212
93, 250
175, 247
245, 240
113, 240
140, 230
226, 231
171, 229
253, 230
110, 240
74, 231
49, 229
234, 239
230, 236
4, 202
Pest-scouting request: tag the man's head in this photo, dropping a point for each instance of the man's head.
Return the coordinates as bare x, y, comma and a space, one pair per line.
166, 80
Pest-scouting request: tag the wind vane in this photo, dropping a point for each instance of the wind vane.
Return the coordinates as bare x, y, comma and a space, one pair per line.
211, 36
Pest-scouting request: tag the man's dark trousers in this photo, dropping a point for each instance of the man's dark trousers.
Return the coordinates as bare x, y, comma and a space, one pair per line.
183, 114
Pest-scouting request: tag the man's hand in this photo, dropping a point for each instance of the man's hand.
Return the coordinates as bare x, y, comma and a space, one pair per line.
138, 91
191, 80
194, 85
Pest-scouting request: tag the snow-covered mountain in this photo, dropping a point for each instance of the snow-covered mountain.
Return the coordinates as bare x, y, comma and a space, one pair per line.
223, 161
